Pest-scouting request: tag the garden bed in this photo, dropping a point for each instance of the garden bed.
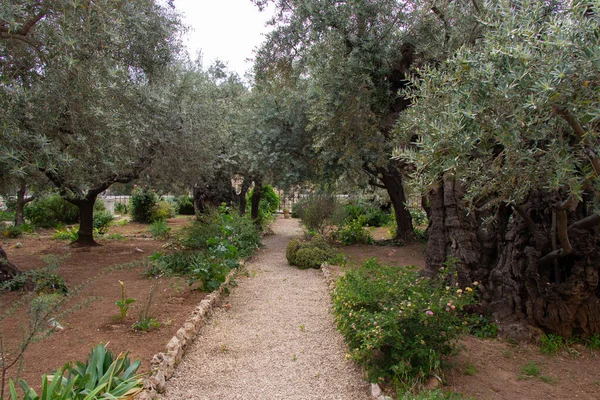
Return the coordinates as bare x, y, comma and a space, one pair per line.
94, 317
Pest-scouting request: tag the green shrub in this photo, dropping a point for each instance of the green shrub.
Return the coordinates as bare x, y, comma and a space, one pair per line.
102, 220
142, 203
309, 254
159, 229
185, 205
6, 215
319, 211
290, 251
223, 223
310, 257
419, 217
71, 234
12, 231
396, 323
354, 232
367, 213
162, 210
50, 211
121, 208
479, 325
102, 376
43, 280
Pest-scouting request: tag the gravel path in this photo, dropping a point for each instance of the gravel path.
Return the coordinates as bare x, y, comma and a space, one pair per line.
276, 341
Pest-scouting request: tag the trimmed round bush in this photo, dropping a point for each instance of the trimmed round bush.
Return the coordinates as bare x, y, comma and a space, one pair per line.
310, 257
290, 252
162, 211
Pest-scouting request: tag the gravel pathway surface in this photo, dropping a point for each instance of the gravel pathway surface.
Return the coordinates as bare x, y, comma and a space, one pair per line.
276, 341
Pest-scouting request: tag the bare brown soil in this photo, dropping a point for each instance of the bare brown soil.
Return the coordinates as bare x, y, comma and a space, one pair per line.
91, 314
491, 369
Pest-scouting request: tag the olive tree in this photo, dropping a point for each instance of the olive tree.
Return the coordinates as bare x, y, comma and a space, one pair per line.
508, 153
82, 93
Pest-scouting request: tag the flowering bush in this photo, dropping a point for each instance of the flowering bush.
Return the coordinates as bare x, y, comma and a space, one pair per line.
396, 323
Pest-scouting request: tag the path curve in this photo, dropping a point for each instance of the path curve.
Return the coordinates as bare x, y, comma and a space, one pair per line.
276, 341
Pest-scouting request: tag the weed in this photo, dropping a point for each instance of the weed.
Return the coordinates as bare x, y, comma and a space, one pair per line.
302, 328
507, 353
294, 358
470, 370
115, 236
593, 342
160, 230
224, 348
146, 322
548, 379
551, 343
530, 369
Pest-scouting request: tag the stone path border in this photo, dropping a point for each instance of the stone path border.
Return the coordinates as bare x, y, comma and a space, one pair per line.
163, 364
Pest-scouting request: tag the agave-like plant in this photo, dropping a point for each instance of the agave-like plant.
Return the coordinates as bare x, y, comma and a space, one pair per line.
102, 376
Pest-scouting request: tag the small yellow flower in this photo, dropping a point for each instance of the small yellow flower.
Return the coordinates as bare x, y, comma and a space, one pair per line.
422, 341
475, 283
459, 291
122, 283
447, 287
468, 289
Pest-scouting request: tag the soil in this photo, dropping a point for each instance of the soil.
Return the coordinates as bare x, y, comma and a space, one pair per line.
91, 316
484, 369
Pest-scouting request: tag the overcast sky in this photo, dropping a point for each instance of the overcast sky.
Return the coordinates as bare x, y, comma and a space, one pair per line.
225, 29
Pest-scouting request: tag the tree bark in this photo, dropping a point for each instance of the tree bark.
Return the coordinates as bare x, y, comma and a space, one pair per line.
256, 196
7, 269
22, 200
243, 192
517, 282
392, 180
85, 237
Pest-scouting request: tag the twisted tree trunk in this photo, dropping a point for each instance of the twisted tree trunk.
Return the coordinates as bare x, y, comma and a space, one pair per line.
7, 270
525, 291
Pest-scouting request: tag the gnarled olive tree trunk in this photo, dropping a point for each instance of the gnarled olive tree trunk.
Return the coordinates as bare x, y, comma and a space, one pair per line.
7, 270
524, 290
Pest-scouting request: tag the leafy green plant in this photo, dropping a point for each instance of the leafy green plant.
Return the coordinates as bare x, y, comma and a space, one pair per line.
115, 236
318, 211
142, 203
368, 213
470, 370
354, 232
159, 229
48, 212
102, 376
593, 342
480, 325
102, 220
121, 208
185, 205
162, 210
6, 215
530, 369
309, 254
42, 280
146, 322
551, 343
397, 324
12, 231
124, 303
70, 234
419, 217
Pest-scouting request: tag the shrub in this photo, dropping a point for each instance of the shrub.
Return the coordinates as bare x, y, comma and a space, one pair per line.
290, 251
42, 280
419, 217
319, 211
162, 210
309, 254
121, 208
102, 220
159, 229
368, 214
50, 211
102, 374
16, 231
354, 232
71, 234
223, 223
551, 343
142, 204
6, 215
310, 257
396, 323
185, 205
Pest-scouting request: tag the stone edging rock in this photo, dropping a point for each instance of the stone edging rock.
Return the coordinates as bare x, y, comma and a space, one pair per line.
163, 364
376, 391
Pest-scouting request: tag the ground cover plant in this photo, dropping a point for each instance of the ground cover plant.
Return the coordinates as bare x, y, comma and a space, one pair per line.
397, 324
310, 253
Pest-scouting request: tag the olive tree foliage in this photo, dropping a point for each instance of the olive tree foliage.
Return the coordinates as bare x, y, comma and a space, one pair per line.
83, 97
356, 56
508, 152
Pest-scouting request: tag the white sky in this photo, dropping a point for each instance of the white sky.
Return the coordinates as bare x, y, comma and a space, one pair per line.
228, 30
